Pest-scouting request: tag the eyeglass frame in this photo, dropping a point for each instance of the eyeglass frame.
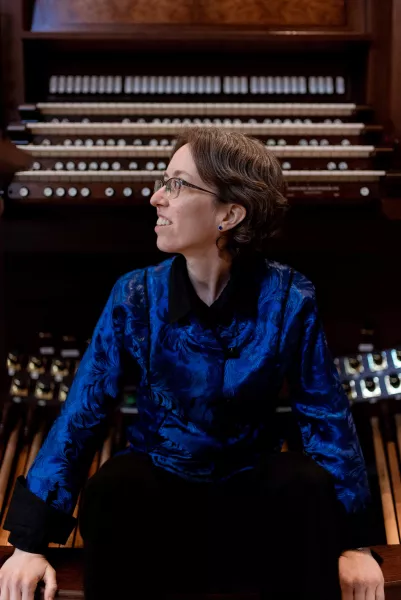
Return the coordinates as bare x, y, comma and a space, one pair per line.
182, 182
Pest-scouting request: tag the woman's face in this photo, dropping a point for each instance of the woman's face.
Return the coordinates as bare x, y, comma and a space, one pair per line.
193, 217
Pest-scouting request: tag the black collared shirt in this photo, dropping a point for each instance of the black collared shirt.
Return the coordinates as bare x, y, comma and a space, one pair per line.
239, 294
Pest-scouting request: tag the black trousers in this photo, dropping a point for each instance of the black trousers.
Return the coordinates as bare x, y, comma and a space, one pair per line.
147, 532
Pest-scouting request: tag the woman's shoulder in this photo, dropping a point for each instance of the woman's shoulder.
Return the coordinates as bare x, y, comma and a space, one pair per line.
288, 280
131, 287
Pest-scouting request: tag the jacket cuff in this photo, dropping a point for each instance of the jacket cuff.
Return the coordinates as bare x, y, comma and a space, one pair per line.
33, 523
358, 528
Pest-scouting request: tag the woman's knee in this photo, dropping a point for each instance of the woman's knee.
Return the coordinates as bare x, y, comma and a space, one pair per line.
115, 493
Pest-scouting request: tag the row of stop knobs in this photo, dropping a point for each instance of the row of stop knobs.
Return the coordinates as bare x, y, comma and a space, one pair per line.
85, 192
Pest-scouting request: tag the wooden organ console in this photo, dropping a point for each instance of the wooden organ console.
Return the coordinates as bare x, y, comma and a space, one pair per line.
95, 98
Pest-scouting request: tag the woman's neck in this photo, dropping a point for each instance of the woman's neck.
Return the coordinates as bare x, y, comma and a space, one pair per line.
209, 275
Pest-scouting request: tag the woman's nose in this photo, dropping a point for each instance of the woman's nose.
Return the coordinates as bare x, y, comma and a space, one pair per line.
159, 198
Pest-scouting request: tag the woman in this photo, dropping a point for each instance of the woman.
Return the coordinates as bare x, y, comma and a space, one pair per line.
203, 497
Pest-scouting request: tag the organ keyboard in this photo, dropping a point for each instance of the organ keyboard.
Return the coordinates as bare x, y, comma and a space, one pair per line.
76, 146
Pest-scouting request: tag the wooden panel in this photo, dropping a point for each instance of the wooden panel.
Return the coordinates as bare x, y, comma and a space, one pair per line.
277, 13
87, 14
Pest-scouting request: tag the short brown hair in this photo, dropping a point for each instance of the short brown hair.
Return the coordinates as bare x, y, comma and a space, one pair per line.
244, 172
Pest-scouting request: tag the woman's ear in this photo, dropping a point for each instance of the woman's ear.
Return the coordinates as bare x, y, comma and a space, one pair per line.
235, 215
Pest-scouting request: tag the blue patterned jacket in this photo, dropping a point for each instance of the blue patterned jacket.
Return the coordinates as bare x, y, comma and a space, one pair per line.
206, 395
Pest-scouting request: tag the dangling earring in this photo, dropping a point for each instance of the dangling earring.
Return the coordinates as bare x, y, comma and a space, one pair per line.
220, 228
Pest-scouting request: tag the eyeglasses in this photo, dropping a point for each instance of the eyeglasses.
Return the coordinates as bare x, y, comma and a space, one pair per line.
173, 187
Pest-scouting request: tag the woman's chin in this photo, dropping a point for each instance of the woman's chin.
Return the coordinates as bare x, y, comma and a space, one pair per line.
165, 246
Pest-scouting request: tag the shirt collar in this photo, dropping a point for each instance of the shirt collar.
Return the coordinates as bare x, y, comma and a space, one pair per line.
239, 293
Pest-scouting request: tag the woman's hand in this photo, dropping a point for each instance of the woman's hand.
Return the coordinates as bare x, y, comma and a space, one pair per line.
361, 578
22, 572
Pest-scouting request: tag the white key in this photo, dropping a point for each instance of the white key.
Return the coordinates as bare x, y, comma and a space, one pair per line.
340, 85
61, 84
137, 86
169, 84
102, 85
176, 85
85, 84
329, 86
192, 85
60, 192
145, 84
53, 84
48, 192
160, 85
201, 86
109, 84
227, 85
235, 85
85, 192
93, 84
302, 85
77, 84
312, 85
109, 192
128, 85
185, 85
321, 85
286, 85
72, 192
152, 84
118, 84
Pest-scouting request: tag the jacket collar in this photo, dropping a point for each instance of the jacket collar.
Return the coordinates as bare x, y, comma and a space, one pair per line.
240, 293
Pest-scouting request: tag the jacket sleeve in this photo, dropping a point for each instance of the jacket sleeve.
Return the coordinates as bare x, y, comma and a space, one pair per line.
42, 504
327, 428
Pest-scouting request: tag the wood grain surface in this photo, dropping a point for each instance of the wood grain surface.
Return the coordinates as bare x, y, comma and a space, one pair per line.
55, 15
